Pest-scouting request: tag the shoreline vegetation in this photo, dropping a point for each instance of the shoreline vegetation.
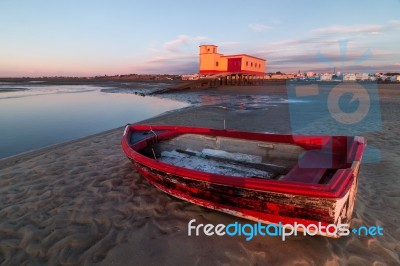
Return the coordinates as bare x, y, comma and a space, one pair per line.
81, 202
170, 83
105, 78
12, 89
173, 80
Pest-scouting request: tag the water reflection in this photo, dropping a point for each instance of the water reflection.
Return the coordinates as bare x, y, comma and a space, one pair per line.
242, 102
46, 115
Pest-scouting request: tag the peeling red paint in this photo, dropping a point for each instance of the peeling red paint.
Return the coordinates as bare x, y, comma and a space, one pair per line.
268, 201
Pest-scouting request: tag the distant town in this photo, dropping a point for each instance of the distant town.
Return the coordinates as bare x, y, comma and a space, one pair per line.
313, 76
300, 76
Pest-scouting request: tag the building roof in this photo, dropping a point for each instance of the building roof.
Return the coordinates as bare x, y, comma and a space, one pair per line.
241, 55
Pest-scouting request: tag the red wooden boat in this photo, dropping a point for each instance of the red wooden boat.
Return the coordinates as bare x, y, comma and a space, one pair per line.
268, 178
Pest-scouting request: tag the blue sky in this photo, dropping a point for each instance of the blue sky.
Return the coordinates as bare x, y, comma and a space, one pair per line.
85, 38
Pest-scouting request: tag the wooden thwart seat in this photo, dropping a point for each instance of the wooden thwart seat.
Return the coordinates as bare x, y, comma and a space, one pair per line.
305, 175
312, 167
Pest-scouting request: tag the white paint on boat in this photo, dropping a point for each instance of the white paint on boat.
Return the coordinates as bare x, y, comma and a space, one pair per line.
236, 156
204, 164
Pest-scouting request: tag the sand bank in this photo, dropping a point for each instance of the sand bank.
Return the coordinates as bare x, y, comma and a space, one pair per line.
82, 202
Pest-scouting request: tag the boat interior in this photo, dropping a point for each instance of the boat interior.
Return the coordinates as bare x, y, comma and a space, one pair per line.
246, 158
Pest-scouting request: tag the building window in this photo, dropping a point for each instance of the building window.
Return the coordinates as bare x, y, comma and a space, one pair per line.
247, 63
251, 64
216, 64
208, 49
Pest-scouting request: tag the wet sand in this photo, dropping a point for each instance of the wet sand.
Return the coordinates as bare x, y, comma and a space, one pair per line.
82, 202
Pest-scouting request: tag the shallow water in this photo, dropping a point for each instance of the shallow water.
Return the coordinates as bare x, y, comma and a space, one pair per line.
210, 97
33, 116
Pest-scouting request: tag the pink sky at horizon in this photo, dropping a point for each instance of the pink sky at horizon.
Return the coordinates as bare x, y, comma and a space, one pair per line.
112, 39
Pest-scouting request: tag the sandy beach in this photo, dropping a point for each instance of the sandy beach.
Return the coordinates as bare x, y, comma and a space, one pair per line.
83, 203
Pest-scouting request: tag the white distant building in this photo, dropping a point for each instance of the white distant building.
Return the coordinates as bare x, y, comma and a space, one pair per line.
372, 78
190, 77
349, 77
395, 78
326, 77
310, 74
383, 77
362, 76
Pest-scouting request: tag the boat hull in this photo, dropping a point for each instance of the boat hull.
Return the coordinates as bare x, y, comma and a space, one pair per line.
259, 206
271, 206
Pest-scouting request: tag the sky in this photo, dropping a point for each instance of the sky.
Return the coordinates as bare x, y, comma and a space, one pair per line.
88, 38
